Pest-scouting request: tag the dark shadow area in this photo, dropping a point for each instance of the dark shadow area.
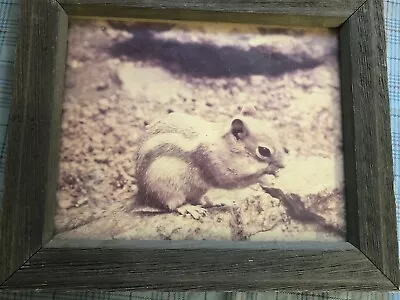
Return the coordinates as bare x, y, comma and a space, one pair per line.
208, 60
133, 27
296, 209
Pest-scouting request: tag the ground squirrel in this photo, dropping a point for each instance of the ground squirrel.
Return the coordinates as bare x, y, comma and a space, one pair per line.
182, 156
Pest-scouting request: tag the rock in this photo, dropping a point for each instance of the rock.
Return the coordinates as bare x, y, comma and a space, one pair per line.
81, 201
64, 200
101, 86
114, 97
310, 175
64, 203
139, 82
102, 159
97, 138
126, 34
112, 33
74, 64
104, 105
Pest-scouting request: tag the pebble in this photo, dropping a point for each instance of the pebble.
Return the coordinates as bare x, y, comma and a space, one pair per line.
240, 82
65, 204
220, 83
74, 64
64, 200
130, 170
82, 201
114, 97
104, 105
126, 34
102, 159
275, 202
97, 137
112, 33
101, 86
235, 90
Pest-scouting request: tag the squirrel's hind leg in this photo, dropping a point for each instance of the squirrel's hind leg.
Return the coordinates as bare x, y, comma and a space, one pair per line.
175, 202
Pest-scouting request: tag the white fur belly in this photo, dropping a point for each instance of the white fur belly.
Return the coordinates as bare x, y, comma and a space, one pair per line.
172, 174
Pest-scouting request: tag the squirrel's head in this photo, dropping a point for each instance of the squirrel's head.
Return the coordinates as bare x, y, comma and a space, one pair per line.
257, 139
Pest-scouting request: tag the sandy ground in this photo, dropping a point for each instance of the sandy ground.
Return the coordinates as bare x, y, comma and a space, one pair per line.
120, 77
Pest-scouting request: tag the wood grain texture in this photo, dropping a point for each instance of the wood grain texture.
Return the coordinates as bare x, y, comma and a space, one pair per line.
197, 295
325, 13
267, 268
371, 218
32, 154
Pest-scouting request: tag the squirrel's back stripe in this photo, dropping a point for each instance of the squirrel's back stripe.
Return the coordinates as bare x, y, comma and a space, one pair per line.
174, 145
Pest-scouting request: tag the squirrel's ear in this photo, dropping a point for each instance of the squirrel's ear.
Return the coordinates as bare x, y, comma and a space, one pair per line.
248, 110
238, 129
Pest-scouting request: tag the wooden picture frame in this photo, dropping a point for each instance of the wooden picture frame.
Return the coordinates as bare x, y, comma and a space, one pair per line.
31, 259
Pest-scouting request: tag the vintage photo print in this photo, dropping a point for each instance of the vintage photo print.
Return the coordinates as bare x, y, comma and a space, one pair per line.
200, 131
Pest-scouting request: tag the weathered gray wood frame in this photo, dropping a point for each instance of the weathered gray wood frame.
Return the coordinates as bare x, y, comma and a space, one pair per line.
29, 258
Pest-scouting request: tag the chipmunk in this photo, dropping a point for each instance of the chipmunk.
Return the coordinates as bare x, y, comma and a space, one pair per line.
182, 156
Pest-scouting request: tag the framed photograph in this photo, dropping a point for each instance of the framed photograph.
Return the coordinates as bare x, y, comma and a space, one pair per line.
213, 145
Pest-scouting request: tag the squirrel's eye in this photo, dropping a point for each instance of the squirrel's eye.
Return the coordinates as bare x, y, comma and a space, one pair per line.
263, 151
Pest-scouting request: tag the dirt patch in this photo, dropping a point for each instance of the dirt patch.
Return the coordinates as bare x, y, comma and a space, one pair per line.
121, 77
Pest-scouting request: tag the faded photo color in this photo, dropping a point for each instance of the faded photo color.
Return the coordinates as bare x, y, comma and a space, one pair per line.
196, 131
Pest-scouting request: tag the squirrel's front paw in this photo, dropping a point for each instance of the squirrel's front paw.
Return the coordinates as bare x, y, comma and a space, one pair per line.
196, 212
